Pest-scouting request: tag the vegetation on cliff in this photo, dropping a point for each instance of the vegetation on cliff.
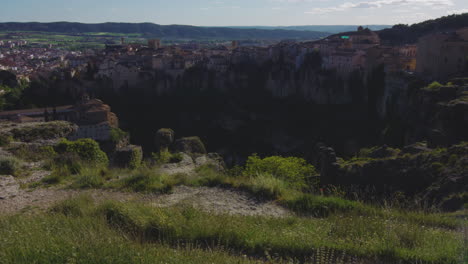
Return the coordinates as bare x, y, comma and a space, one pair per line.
401, 34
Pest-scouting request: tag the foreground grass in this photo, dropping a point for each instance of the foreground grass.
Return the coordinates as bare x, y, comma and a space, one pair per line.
77, 231
263, 186
366, 237
56, 238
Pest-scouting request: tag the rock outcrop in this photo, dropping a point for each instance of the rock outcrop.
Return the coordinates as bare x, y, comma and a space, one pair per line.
164, 138
328, 164
130, 156
190, 145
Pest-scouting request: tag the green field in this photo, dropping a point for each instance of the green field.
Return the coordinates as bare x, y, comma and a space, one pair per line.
71, 41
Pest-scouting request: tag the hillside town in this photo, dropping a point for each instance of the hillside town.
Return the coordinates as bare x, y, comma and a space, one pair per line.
29, 61
438, 55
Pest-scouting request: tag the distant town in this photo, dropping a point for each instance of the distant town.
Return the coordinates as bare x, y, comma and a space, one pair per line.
437, 55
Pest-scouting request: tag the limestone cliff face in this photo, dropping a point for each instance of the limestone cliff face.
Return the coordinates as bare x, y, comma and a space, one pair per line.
435, 176
437, 114
316, 87
279, 79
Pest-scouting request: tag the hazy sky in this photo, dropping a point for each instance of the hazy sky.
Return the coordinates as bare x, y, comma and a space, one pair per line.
231, 12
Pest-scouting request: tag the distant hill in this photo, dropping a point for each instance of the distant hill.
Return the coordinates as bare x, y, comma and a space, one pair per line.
167, 32
405, 34
320, 28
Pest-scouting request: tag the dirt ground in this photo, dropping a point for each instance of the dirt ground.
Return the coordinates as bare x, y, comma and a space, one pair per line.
14, 199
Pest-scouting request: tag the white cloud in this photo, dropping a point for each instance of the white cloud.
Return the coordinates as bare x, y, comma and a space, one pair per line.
459, 11
382, 3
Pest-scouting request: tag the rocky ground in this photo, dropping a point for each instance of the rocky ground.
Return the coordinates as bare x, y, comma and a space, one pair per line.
14, 198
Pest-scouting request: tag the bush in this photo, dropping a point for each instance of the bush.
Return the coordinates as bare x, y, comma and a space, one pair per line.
146, 180
434, 86
70, 163
10, 166
34, 153
50, 130
87, 149
57, 176
5, 139
164, 157
267, 186
207, 175
73, 207
321, 206
117, 135
295, 171
89, 178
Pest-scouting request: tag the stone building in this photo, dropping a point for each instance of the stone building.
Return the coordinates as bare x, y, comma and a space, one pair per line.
154, 44
94, 118
345, 61
443, 55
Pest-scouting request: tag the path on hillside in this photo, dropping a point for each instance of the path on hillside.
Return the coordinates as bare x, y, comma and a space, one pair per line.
14, 199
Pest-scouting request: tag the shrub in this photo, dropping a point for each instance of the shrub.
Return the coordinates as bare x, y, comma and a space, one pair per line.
135, 158
56, 177
117, 135
87, 149
10, 166
267, 186
295, 171
321, 206
378, 152
89, 178
34, 153
73, 207
50, 130
146, 180
433, 86
207, 175
164, 157
70, 163
5, 139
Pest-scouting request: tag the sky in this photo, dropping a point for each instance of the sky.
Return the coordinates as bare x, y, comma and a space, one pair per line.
231, 12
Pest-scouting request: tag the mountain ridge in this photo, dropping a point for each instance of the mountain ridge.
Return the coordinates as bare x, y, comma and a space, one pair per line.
163, 31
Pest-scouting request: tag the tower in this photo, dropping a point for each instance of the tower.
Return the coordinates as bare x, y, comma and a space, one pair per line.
154, 44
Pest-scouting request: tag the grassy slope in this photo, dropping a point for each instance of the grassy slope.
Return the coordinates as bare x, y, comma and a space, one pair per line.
61, 239
77, 231
342, 227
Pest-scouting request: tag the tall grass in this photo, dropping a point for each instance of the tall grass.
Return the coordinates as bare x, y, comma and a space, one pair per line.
366, 237
10, 166
146, 180
263, 185
60, 239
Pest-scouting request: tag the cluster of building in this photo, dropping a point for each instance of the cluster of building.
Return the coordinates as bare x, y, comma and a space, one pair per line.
29, 61
438, 56
443, 54
362, 50
13, 44
127, 64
